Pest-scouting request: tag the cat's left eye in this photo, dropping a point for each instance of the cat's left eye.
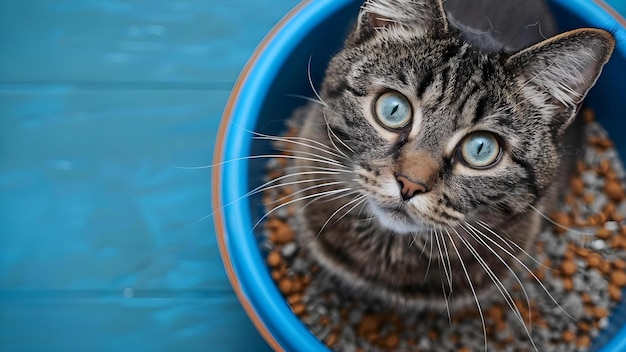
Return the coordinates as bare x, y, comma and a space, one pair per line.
480, 150
393, 110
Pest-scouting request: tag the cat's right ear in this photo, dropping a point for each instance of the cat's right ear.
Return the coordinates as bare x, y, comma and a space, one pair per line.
562, 69
416, 17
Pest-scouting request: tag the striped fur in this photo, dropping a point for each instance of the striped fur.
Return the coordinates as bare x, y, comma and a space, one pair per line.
369, 238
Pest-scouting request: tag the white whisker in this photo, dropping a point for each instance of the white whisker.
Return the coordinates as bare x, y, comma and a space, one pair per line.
469, 280
286, 140
430, 256
306, 98
357, 199
317, 157
507, 297
332, 134
253, 157
331, 170
335, 191
306, 189
559, 225
477, 234
448, 274
311, 83
530, 272
510, 243
339, 196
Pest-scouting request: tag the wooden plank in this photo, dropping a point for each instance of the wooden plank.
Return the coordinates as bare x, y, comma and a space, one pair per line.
89, 196
138, 41
211, 323
100, 249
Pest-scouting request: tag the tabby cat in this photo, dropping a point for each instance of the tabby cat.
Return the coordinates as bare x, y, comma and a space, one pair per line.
433, 149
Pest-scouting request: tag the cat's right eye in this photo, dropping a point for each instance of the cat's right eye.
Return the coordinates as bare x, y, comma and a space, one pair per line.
393, 110
480, 150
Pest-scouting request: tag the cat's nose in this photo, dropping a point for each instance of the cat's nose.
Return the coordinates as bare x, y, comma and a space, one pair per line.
410, 188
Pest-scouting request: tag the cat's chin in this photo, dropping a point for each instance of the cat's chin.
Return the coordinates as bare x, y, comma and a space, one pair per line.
397, 220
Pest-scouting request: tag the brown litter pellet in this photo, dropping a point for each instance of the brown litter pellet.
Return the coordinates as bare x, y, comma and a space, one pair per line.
594, 260
604, 167
568, 267
583, 325
603, 233
568, 336
582, 252
609, 208
577, 186
614, 190
588, 115
618, 278
324, 320
601, 143
615, 216
563, 220
617, 242
285, 285
274, 259
605, 267
298, 308
583, 341
619, 264
294, 298
369, 324
588, 198
392, 341
615, 292
600, 312
285, 235
332, 339
568, 284
276, 275
433, 334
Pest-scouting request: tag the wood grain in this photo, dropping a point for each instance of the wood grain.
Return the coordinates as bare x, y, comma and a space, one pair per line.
104, 243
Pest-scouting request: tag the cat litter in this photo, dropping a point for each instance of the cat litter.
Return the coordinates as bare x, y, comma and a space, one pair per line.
581, 261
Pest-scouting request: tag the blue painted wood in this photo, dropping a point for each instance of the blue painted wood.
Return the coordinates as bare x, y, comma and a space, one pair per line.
100, 240
89, 177
101, 247
115, 40
210, 323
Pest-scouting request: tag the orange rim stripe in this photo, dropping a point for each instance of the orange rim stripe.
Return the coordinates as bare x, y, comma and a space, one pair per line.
611, 11
217, 176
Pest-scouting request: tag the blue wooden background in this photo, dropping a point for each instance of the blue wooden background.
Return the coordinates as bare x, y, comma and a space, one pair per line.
100, 248
99, 244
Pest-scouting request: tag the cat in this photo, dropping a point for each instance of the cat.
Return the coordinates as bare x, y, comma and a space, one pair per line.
434, 147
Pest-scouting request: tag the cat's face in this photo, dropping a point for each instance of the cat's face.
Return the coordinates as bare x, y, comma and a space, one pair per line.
440, 133
419, 133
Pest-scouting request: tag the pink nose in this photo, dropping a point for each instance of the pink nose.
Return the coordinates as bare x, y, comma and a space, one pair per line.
409, 188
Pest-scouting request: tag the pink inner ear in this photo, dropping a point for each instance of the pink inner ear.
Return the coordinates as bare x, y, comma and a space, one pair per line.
379, 21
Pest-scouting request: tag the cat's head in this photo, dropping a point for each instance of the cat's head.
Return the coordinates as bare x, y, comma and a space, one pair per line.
440, 132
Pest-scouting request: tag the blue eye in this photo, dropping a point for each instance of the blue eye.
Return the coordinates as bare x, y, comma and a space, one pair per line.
480, 150
393, 110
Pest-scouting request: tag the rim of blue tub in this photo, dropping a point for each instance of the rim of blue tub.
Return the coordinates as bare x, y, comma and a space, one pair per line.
243, 260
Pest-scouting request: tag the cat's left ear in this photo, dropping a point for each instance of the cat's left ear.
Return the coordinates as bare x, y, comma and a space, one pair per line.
562, 69
413, 16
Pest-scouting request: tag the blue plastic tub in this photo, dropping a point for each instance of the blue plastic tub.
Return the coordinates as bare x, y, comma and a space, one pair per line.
263, 97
